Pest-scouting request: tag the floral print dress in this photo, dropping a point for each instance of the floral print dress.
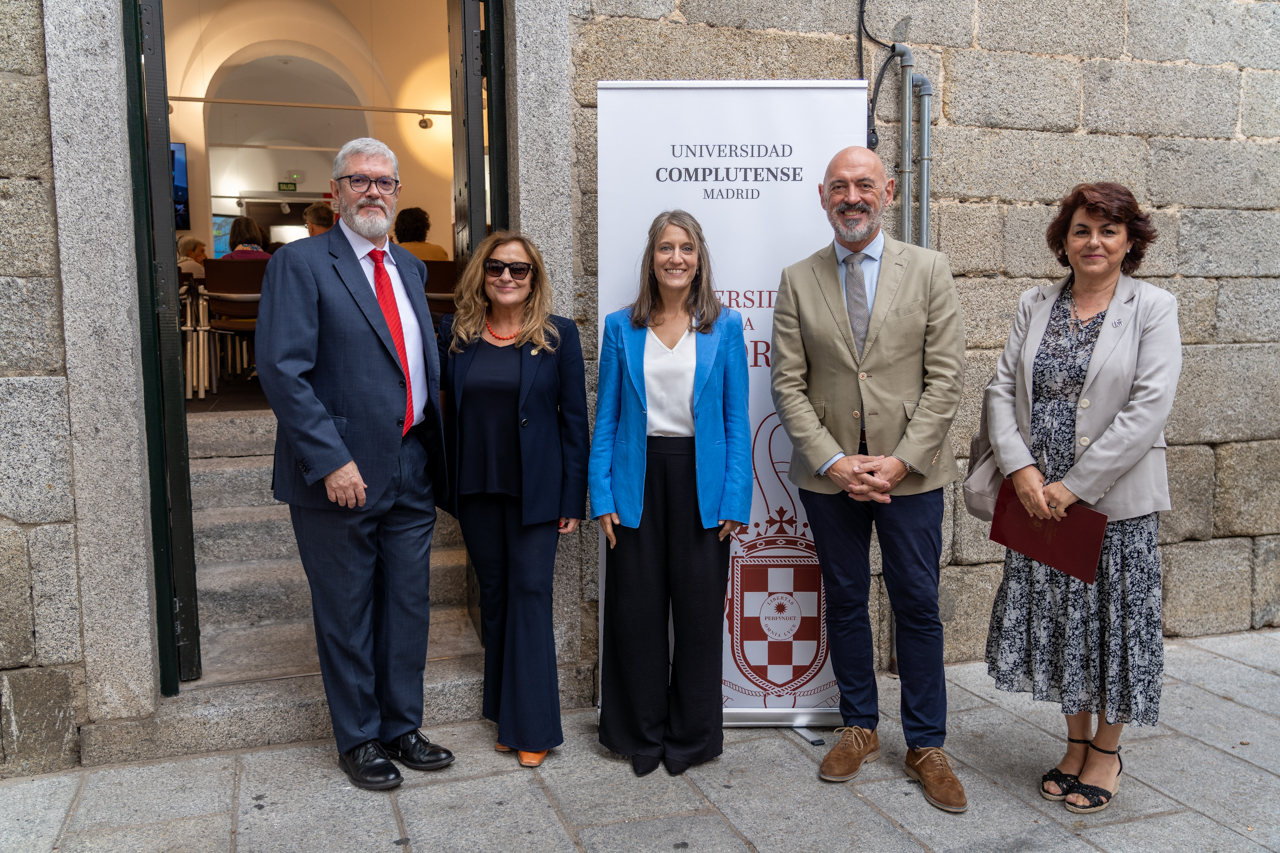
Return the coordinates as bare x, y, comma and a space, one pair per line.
1090, 648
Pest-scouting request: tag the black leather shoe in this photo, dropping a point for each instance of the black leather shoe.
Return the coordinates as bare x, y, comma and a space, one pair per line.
416, 752
674, 766
368, 767
644, 764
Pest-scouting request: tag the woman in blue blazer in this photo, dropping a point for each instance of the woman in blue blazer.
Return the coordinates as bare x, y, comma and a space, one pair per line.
670, 478
515, 419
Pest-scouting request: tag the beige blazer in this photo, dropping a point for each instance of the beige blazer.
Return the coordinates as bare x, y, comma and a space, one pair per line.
1128, 392
905, 389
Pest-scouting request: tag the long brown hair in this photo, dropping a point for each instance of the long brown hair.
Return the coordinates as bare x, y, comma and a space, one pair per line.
702, 304
472, 304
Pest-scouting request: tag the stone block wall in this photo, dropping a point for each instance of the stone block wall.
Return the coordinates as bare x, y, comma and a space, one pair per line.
42, 673
1177, 99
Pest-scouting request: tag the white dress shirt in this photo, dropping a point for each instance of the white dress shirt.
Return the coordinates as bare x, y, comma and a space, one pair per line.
413, 345
668, 384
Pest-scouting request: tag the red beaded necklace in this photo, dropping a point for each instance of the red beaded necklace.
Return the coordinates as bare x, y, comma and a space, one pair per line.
497, 336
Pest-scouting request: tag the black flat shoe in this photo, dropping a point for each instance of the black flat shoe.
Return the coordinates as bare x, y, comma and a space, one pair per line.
644, 764
1064, 781
368, 767
417, 753
674, 766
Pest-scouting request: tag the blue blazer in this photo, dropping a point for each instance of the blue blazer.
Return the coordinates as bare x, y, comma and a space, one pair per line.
331, 372
553, 422
721, 424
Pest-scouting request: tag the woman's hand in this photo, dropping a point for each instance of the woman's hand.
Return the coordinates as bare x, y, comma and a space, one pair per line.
607, 521
1058, 497
1028, 482
569, 525
727, 526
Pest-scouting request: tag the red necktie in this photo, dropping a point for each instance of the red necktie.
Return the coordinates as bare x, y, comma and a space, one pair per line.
387, 301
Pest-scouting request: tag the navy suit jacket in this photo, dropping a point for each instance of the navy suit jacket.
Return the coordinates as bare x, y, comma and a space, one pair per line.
331, 373
553, 422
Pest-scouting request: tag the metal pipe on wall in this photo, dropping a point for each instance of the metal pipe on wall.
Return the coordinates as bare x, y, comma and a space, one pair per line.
926, 125
908, 62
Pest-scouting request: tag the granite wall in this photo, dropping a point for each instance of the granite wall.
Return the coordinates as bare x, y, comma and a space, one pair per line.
1177, 99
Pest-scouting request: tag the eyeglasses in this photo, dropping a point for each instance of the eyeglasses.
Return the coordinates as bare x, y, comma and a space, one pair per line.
495, 268
360, 183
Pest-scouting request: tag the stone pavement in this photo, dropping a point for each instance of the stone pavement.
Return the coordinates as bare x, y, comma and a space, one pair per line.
1208, 778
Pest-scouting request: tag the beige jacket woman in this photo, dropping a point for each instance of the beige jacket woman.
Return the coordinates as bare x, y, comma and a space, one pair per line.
1128, 392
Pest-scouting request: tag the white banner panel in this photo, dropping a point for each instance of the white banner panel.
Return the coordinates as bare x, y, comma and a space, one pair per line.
746, 159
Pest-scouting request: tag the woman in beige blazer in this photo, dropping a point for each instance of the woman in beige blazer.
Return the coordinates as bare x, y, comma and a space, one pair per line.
1076, 412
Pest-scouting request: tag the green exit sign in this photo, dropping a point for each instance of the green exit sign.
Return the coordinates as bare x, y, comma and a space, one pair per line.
289, 187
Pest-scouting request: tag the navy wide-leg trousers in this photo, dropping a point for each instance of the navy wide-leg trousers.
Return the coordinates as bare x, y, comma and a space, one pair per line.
370, 598
910, 533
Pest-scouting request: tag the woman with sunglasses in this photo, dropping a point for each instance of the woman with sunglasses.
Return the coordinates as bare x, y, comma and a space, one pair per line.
515, 414
670, 481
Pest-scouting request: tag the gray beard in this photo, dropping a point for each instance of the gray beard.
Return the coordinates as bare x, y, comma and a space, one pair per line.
368, 228
856, 235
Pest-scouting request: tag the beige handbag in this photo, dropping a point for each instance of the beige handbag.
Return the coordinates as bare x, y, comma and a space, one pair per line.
982, 483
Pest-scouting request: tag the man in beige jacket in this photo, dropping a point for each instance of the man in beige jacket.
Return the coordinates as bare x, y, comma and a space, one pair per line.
868, 363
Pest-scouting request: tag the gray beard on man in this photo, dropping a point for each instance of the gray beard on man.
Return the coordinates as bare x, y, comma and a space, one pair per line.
856, 235
366, 226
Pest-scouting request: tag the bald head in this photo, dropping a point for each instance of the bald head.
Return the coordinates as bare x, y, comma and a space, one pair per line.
854, 193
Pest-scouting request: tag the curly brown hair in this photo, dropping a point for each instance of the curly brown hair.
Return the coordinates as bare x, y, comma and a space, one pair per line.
1114, 203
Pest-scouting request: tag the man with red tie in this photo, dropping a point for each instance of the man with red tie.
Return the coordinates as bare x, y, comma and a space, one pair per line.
348, 360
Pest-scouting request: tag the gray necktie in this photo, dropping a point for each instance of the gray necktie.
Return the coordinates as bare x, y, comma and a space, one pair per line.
855, 298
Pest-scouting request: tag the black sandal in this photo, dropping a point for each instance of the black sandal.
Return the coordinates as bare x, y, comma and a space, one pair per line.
1099, 798
1064, 781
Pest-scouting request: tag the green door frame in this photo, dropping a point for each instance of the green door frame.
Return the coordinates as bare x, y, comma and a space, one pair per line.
164, 385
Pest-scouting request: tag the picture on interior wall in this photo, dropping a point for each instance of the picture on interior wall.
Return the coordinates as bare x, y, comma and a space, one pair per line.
221, 235
178, 166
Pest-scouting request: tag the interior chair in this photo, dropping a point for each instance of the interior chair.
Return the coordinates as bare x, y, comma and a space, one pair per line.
230, 296
441, 277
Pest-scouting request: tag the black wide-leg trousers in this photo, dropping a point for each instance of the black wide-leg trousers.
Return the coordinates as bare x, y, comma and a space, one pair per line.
669, 564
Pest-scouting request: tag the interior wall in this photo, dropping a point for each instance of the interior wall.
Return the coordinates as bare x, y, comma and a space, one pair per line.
367, 52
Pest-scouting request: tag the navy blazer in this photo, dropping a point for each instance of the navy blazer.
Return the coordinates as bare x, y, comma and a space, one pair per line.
331, 372
553, 422
721, 423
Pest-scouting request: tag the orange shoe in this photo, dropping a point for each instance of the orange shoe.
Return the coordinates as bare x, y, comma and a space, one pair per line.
500, 748
532, 759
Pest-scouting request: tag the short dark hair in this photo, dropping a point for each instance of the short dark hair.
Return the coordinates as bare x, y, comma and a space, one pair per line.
244, 230
1114, 203
412, 225
319, 214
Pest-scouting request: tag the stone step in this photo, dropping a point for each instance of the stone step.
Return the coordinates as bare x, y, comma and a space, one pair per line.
250, 433
288, 710
253, 592
231, 534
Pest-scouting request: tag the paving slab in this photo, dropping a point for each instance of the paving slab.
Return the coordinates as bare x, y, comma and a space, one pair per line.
472, 744
1226, 789
1247, 734
697, 834
152, 793
1169, 832
1227, 678
771, 793
1260, 649
889, 691
32, 812
995, 820
206, 834
1014, 754
508, 813
298, 799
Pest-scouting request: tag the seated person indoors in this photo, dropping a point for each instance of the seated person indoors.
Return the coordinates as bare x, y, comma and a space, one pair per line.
412, 225
191, 256
318, 217
246, 240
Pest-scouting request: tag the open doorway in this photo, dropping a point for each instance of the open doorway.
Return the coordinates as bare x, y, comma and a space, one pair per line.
253, 103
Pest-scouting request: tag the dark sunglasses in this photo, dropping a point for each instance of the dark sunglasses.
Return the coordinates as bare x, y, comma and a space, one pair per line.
519, 270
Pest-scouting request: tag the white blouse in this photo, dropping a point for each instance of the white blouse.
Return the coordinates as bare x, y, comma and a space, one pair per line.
668, 384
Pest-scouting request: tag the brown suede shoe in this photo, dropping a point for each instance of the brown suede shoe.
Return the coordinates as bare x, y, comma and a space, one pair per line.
844, 761
931, 768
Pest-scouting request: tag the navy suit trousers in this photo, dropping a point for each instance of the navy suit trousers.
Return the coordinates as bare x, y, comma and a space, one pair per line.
370, 596
910, 533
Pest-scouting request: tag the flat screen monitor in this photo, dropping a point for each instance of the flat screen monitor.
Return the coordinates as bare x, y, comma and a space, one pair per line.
222, 234
178, 166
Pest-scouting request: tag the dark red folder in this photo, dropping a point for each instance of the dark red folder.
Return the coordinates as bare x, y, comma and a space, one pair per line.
1071, 545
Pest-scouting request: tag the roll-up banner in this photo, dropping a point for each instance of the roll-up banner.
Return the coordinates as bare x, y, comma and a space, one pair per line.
746, 159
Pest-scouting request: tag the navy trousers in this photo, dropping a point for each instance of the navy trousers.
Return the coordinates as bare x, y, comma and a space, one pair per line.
910, 532
515, 567
370, 598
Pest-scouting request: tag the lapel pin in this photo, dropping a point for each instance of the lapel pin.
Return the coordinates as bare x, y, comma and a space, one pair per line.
1116, 322
535, 351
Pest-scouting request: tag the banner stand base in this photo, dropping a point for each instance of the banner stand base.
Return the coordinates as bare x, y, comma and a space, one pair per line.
782, 717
